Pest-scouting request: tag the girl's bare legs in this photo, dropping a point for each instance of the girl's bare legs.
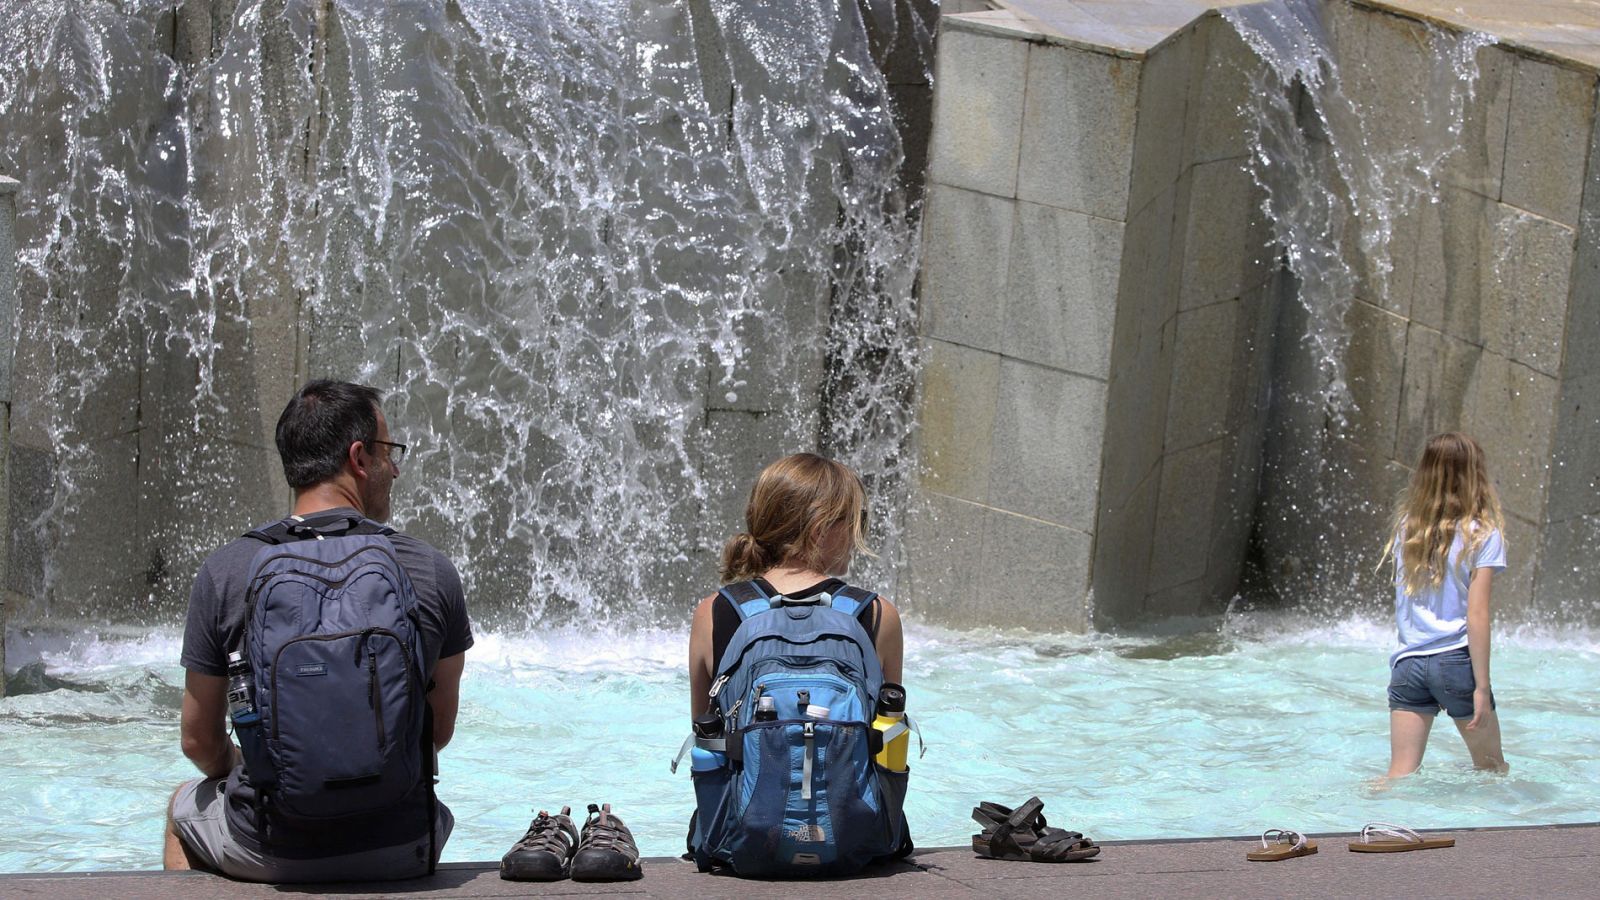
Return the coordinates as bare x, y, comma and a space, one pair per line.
1483, 742
1408, 738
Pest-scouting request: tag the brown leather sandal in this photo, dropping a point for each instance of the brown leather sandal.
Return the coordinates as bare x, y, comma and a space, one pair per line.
1023, 834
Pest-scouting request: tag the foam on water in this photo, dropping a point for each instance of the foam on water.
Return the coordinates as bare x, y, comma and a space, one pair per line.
1266, 720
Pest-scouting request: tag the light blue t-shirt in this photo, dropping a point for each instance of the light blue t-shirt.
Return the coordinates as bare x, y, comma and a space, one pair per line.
1435, 619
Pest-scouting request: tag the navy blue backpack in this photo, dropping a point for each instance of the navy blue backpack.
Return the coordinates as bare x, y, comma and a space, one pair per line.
798, 795
333, 641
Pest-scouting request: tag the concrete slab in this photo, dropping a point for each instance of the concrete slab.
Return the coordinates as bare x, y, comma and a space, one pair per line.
1529, 550
1190, 481
1478, 163
1137, 399
959, 389
1552, 111
1047, 438
1061, 293
966, 250
1526, 313
1374, 366
1124, 540
1575, 468
1583, 307
1077, 130
1513, 414
1452, 260
1436, 389
1224, 250
1163, 109
1219, 92
1567, 576
1206, 375
1033, 574
1531, 862
944, 553
977, 110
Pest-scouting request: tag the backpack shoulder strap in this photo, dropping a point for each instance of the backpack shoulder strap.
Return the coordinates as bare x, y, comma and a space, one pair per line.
747, 597
302, 528
851, 600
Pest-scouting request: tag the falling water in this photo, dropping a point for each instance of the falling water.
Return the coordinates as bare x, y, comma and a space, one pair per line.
603, 255
1333, 183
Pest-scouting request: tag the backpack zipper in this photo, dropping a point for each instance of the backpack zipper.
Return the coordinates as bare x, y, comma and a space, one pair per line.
374, 694
806, 766
716, 686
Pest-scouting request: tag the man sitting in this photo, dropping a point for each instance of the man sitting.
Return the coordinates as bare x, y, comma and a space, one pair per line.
262, 822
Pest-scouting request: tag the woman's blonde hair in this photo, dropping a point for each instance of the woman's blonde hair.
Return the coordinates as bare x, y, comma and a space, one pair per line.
1450, 493
794, 503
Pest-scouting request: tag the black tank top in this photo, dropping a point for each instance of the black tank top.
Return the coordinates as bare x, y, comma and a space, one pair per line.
725, 617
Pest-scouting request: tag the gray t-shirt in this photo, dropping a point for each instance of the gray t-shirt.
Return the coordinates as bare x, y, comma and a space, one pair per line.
217, 613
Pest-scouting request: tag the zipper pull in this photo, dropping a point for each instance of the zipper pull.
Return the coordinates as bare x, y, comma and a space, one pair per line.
372, 679
716, 686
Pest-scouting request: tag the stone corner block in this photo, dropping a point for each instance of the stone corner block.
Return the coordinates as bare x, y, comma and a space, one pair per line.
977, 110
1077, 130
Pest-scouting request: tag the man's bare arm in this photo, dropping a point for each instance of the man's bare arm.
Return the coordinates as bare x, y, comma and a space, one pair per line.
445, 698
205, 740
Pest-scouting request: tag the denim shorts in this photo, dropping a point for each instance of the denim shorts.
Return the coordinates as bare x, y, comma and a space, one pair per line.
1426, 684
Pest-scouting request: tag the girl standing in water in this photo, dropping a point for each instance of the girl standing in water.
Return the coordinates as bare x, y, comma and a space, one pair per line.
1447, 544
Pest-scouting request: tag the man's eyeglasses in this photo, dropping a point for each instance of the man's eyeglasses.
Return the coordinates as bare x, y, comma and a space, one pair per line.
397, 452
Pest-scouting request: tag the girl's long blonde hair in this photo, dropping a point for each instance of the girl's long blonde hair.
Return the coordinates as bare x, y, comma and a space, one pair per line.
1450, 493
794, 503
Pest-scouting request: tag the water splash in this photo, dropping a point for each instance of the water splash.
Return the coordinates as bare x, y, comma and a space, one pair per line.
1334, 183
596, 280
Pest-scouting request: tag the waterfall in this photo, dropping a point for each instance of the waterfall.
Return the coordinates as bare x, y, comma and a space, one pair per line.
604, 257
1333, 184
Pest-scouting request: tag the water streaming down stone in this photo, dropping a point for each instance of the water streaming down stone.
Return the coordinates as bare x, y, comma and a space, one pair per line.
1251, 259
1344, 153
1335, 175
606, 257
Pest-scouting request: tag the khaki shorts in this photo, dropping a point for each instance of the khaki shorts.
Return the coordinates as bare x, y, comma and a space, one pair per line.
199, 813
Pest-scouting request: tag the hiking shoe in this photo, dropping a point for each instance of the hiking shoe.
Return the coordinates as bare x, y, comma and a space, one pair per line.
607, 851
545, 852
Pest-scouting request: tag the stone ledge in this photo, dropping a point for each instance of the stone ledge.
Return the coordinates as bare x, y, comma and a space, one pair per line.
1536, 861
1566, 32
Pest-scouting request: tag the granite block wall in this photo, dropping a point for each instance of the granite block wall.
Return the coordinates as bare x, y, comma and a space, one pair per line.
1086, 209
1212, 466
1478, 327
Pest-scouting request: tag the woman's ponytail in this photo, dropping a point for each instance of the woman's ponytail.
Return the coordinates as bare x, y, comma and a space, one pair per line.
743, 558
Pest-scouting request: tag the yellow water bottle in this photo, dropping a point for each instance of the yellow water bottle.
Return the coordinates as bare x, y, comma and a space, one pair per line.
891, 724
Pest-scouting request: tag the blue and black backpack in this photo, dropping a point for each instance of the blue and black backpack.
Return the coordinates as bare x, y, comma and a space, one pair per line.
334, 645
798, 795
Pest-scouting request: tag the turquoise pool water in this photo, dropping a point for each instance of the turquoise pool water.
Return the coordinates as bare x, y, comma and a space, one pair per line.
1274, 721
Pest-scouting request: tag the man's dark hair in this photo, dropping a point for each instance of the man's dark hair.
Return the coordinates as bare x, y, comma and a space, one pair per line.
318, 426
